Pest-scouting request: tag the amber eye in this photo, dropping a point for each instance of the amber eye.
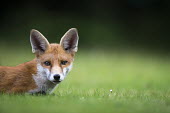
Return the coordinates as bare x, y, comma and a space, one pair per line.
47, 63
64, 62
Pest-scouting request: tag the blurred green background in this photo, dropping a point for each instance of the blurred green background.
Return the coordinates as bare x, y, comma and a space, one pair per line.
123, 46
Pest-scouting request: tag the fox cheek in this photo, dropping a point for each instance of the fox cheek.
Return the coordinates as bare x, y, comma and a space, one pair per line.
43, 71
66, 70
47, 72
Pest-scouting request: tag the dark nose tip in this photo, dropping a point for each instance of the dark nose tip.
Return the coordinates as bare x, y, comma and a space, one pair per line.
57, 77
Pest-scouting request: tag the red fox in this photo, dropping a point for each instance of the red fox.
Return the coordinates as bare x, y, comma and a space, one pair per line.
41, 75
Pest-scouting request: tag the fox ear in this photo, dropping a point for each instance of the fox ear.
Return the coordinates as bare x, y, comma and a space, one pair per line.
69, 41
38, 42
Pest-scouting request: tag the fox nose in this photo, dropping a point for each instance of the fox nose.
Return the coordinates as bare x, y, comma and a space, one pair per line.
57, 77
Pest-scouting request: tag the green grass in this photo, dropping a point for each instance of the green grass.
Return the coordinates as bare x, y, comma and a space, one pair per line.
140, 84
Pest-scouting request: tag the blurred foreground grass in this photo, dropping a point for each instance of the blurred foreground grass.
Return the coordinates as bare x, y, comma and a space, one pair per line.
140, 83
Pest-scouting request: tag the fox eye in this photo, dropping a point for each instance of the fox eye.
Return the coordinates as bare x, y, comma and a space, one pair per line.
47, 63
64, 62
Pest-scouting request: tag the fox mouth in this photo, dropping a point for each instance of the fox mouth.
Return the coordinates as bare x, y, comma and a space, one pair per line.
56, 81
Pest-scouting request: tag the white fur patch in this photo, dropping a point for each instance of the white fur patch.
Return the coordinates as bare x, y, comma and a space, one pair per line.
42, 82
44, 79
67, 69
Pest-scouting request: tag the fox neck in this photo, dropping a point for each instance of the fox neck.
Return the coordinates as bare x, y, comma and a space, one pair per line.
43, 84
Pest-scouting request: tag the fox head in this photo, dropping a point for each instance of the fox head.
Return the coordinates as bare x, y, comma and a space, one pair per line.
54, 61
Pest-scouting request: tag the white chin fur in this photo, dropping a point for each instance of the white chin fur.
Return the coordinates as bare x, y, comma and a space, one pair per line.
44, 79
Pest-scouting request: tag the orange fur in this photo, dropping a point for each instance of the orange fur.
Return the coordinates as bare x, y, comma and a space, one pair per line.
55, 54
32, 76
19, 79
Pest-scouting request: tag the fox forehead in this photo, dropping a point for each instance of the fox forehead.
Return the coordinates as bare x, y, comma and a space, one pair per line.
56, 52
